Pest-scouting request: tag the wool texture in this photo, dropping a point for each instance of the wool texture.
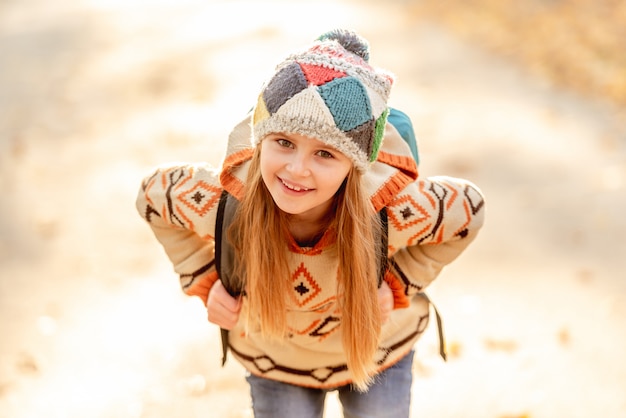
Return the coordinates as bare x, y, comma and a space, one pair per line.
331, 93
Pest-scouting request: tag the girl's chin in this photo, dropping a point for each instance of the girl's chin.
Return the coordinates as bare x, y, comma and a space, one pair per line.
289, 209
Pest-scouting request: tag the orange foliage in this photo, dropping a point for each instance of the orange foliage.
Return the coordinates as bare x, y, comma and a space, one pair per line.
578, 44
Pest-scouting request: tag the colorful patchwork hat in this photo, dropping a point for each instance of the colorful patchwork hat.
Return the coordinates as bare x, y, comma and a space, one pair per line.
328, 92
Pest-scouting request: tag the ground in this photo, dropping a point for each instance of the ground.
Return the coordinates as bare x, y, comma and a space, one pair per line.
95, 93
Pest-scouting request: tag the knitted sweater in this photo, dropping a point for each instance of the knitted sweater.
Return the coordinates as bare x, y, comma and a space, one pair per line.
431, 221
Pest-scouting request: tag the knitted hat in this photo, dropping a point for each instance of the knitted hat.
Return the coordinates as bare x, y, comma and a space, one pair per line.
328, 92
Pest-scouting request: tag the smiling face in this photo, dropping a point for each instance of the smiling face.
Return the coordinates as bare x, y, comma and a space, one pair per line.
302, 174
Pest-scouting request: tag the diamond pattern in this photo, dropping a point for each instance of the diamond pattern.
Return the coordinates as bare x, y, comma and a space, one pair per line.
305, 287
322, 374
264, 364
406, 212
475, 199
330, 324
200, 198
348, 102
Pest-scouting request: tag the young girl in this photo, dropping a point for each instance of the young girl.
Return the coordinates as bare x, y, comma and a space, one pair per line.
333, 237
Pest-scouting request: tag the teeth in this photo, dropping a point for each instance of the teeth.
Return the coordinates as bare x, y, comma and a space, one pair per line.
295, 188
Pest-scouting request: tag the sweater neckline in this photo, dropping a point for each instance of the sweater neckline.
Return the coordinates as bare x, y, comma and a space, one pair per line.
327, 238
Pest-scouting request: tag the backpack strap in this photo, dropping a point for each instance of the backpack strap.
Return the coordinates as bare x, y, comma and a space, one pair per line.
224, 252
384, 265
224, 255
384, 244
442, 341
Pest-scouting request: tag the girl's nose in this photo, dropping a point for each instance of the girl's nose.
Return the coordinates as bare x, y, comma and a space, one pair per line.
299, 165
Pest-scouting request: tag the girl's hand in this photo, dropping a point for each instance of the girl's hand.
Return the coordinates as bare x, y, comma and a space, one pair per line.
222, 308
385, 301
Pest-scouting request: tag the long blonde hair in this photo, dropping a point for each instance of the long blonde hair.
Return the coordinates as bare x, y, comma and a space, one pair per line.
261, 257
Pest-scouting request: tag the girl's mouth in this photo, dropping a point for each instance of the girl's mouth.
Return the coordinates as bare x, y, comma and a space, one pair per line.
294, 187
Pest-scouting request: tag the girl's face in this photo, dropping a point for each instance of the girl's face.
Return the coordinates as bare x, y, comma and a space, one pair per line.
302, 174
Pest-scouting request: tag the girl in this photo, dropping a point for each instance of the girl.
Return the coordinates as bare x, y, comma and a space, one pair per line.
333, 237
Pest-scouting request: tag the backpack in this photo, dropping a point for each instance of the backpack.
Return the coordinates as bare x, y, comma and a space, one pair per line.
224, 252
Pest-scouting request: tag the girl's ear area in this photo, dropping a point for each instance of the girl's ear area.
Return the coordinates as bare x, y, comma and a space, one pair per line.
351, 173
259, 144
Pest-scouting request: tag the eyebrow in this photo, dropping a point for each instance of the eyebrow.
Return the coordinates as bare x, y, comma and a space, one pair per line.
322, 145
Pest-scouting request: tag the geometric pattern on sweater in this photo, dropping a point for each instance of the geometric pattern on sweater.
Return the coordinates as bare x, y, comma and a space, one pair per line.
178, 196
404, 212
200, 198
305, 287
320, 329
264, 364
474, 198
327, 327
187, 200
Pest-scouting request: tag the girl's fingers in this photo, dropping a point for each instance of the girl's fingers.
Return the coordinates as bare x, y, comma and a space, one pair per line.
222, 308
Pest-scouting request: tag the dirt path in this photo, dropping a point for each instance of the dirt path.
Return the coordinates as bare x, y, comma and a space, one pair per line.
93, 94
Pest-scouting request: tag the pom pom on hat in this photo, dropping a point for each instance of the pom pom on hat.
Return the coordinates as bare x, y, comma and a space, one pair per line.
349, 40
331, 93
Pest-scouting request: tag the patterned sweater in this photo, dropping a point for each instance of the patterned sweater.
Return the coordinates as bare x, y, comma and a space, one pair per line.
431, 221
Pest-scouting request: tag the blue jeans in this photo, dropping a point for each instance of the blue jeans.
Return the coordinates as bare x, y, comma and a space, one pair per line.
388, 397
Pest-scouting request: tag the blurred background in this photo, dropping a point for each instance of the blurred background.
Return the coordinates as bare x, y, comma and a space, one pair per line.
526, 99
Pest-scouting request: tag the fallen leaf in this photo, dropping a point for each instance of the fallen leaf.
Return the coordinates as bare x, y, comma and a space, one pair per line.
501, 345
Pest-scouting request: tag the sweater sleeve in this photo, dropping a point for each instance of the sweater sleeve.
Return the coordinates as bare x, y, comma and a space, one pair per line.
179, 203
431, 223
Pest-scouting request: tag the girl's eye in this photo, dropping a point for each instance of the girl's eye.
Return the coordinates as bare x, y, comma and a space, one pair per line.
324, 154
284, 143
